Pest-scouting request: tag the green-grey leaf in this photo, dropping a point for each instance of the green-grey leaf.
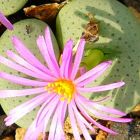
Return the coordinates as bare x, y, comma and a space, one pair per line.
119, 31
9, 7
28, 36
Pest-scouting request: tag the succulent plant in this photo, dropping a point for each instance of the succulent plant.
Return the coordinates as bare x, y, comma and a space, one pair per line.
28, 31
119, 40
9, 7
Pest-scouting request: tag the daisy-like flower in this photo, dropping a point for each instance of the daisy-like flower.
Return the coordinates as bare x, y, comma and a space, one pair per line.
59, 89
5, 22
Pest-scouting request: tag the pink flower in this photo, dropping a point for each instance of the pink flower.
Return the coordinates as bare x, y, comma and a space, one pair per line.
5, 22
58, 89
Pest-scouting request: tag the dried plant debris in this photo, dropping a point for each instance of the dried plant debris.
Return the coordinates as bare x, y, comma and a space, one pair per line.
122, 129
100, 134
45, 12
134, 130
91, 32
136, 111
20, 133
2, 125
135, 12
6, 131
58, 1
126, 131
132, 3
8, 138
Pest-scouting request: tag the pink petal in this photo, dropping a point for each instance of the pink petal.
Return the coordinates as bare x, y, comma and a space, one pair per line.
31, 102
82, 70
44, 51
49, 45
93, 72
73, 122
102, 127
24, 108
54, 122
83, 128
21, 81
18, 93
60, 135
92, 78
48, 109
109, 110
103, 99
19, 68
50, 99
101, 88
5, 22
103, 108
82, 119
50, 112
66, 65
83, 111
24, 63
78, 58
33, 132
27, 55
64, 111
101, 115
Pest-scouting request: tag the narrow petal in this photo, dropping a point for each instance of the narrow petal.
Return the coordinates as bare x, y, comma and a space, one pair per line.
102, 127
6, 22
18, 93
21, 81
49, 114
73, 123
83, 128
92, 78
52, 65
22, 69
83, 111
31, 102
103, 99
49, 44
27, 55
82, 119
82, 70
54, 122
65, 106
24, 108
102, 115
101, 88
103, 108
66, 65
50, 99
52, 104
108, 110
33, 132
27, 65
93, 72
78, 58
60, 135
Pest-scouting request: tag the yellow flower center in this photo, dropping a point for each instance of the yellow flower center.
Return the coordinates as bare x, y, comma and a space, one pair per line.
64, 88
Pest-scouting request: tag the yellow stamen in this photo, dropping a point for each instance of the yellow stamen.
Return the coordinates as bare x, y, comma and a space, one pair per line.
64, 88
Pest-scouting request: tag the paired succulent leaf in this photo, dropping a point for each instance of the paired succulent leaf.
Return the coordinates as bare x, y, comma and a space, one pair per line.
27, 30
119, 40
9, 7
